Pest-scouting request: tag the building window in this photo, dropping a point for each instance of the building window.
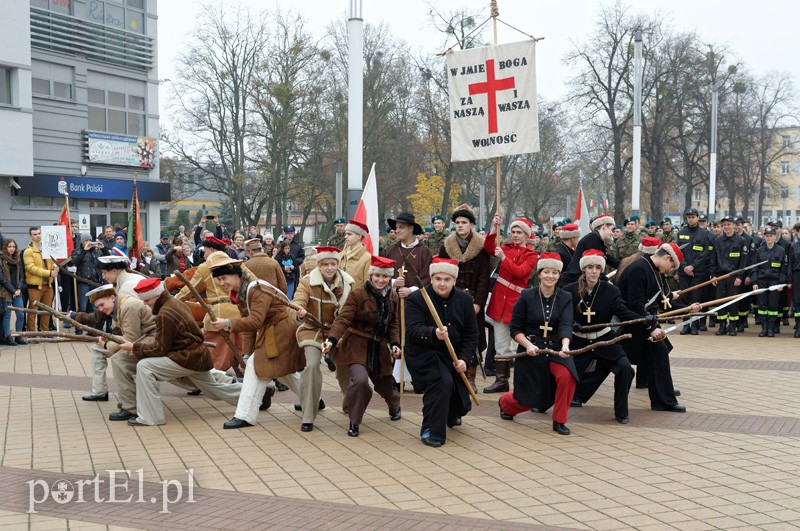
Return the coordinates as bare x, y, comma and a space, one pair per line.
52, 81
698, 194
121, 14
768, 170
59, 6
786, 142
785, 167
116, 112
767, 193
5, 86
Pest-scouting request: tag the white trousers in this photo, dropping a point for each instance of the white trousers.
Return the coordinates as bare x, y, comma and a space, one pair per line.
253, 389
150, 372
503, 343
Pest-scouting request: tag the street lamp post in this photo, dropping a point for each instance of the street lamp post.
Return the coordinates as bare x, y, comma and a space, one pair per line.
355, 107
637, 121
712, 171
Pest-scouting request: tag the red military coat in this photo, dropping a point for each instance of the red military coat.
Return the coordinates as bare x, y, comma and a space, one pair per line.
513, 277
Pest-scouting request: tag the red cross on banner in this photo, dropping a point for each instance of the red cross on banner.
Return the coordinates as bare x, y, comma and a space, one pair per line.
492, 92
490, 88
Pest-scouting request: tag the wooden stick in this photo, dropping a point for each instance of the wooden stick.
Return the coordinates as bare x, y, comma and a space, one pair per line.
281, 296
401, 273
76, 339
568, 352
80, 326
73, 275
717, 279
26, 310
599, 326
236, 354
702, 305
62, 335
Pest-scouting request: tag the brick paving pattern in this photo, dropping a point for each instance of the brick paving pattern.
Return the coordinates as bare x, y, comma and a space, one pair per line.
730, 462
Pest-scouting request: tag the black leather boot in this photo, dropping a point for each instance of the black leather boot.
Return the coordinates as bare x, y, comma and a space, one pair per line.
723, 328
763, 332
500, 385
772, 322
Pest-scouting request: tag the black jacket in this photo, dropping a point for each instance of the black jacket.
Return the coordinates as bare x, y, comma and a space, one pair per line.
427, 356
590, 241
697, 253
729, 254
774, 271
87, 263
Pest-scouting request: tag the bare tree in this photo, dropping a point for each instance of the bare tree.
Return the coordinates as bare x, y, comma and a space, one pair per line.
603, 85
211, 103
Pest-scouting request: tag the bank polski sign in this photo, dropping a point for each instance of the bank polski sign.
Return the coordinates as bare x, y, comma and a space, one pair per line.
122, 150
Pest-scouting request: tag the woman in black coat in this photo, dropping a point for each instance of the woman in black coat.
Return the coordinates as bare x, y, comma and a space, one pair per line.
598, 301
542, 318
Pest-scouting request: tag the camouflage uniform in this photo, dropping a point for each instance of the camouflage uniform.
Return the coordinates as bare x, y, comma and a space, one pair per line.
435, 241
626, 245
336, 241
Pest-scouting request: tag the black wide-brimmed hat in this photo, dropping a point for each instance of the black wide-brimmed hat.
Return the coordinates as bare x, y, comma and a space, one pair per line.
405, 217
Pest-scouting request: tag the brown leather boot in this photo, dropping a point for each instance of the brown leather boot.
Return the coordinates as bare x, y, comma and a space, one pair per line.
471, 372
500, 384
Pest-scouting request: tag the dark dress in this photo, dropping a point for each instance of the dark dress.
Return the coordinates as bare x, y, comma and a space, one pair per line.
533, 384
594, 366
429, 362
638, 284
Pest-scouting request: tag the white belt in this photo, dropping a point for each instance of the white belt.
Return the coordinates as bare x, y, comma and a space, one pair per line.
593, 335
506, 283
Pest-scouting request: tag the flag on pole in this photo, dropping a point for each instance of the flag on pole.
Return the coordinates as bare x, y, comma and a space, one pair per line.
492, 92
135, 238
63, 219
367, 212
605, 204
582, 213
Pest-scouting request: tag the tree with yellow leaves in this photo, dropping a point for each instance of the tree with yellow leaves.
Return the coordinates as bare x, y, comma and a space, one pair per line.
427, 200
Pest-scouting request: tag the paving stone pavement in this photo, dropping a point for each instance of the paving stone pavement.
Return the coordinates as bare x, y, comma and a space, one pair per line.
731, 462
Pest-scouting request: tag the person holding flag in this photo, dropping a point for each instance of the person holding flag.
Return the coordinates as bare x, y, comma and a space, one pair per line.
39, 275
517, 262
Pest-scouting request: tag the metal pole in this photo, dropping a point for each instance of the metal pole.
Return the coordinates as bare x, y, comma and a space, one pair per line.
712, 171
496, 13
339, 188
355, 107
482, 200
637, 122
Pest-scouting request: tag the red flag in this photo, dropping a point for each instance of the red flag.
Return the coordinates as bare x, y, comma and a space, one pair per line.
63, 219
578, 205
135, 238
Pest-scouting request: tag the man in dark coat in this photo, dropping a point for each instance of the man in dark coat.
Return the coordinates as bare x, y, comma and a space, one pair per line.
465, 246
643, 289
602, 227
446, 397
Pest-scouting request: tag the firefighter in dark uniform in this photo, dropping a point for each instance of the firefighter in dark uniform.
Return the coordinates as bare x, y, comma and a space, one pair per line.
786, 244
694, 268
730, 252
768, 274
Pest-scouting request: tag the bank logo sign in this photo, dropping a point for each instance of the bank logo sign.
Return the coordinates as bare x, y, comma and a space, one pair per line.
122, 150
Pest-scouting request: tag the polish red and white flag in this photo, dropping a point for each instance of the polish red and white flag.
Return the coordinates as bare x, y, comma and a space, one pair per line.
367, 213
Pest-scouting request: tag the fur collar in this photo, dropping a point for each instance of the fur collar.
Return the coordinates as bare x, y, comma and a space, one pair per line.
345, 280
454, 250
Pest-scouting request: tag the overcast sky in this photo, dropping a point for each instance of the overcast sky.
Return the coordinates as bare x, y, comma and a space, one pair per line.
764, 35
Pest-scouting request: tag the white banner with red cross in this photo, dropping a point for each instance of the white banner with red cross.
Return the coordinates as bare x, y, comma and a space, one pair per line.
493, 101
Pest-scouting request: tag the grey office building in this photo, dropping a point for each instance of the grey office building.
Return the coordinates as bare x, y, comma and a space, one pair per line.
79, 114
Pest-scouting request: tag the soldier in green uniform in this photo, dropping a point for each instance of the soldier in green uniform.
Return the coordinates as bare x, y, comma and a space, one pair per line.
627, 244
669, 233
651, 227
550, 247
337, 240
437, 236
